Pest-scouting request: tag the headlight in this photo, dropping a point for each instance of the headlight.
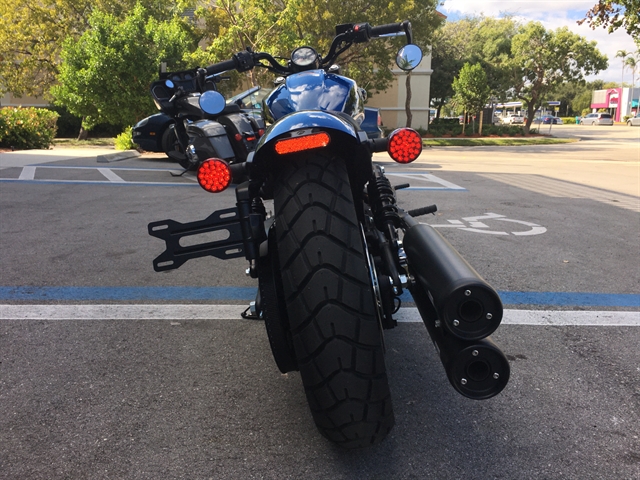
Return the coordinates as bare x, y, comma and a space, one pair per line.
142, 122
304, 57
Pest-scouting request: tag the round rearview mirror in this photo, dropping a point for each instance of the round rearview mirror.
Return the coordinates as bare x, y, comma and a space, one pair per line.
169, 84
212, 102
409, 57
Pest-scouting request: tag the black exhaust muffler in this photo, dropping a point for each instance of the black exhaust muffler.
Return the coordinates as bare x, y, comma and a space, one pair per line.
476, 369
468, 307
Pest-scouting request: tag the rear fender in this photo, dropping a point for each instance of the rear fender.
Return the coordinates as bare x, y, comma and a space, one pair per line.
347, 141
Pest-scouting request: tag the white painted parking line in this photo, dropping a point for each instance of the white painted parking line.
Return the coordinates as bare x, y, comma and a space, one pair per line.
561, 189
428, 178
232, 312
109, 175
27, 173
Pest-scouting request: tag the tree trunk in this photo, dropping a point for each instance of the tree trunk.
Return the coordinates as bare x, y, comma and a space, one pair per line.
407, 104
84, 134
481, 118
530, 111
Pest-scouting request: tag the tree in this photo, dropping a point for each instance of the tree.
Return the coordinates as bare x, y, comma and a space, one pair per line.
105, 74
541, 59
471, 89
481, 40
32, 35
632, 63
575, 96
279, 27
623, 54
613, 15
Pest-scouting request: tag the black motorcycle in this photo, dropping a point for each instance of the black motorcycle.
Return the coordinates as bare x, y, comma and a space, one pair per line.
338, 252
225, 131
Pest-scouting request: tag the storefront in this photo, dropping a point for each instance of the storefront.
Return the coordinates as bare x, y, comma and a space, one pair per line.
620, 102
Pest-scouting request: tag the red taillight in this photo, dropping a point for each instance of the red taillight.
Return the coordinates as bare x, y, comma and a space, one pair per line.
405, 145
299, 144
260, 132
238, 137
214, 175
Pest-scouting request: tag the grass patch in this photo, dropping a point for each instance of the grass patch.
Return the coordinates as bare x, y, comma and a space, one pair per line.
482, 141
91, 142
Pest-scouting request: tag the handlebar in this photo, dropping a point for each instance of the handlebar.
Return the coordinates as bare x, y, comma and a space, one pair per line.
387, 29
345, 34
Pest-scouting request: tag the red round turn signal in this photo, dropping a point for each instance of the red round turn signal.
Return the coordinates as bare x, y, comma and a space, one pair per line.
405, 145
214, 175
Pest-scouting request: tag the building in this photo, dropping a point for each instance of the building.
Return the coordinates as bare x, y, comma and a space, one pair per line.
619, 102
8, 100
391, 102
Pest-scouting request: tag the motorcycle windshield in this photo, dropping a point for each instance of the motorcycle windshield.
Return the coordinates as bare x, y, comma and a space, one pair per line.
315, 90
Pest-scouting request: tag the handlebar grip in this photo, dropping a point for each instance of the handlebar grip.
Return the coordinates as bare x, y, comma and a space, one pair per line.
387, 29
221, 67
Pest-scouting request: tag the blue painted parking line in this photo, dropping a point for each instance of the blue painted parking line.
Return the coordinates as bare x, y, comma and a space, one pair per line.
25, 293
100, 182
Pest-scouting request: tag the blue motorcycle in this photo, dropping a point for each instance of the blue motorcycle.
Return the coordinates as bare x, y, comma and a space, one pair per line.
338, 252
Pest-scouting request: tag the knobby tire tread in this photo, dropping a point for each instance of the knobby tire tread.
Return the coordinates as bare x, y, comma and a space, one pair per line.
330, 304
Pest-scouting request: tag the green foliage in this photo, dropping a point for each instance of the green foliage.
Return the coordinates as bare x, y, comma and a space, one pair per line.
279, 27
436, 122
471, 89
568, 120
27, 128
124, 141
543, 59
441, 128
613, 15
471, 40
32, 35
105, 74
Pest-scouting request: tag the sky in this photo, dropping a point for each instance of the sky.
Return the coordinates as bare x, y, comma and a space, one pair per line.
552, 14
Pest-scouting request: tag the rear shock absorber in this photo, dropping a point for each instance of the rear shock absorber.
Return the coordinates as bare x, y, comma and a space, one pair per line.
382, 199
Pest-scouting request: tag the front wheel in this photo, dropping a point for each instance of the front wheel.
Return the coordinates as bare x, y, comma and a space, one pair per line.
329, 300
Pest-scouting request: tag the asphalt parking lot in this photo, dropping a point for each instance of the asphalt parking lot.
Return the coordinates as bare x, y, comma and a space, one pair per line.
110, 370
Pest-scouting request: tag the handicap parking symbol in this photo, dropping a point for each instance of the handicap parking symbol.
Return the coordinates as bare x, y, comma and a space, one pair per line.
477, 225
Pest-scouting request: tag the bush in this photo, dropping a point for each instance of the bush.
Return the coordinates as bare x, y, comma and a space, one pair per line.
68, 124
124, 141
568, 120
445, 121
455, 130
27, 128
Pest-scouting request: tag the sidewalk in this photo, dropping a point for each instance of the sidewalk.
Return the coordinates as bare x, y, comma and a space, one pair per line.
23, 158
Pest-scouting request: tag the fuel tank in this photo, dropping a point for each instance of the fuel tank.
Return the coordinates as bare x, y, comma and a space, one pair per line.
315, 90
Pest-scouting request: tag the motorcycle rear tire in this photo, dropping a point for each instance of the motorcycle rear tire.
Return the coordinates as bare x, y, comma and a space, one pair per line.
329, 300
172, 147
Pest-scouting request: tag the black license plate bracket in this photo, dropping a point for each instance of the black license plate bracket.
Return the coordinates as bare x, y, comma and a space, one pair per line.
222, 232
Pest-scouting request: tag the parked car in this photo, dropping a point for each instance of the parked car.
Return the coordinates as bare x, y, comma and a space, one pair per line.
597, 119
250, 100
548, 119
635, 121
372, 123
152, 133
513, 119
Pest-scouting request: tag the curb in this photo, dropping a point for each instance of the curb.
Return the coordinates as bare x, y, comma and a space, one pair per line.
116, 157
